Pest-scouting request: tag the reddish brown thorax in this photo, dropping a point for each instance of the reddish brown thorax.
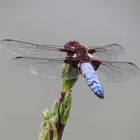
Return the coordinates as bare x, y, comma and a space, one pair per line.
77, 51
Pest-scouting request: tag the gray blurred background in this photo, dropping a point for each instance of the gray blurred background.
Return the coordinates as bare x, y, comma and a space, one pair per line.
23, 96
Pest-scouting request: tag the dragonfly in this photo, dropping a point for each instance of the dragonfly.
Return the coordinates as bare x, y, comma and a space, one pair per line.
93, 62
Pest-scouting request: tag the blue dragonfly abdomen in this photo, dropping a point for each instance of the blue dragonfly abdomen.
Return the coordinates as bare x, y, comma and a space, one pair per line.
92, 79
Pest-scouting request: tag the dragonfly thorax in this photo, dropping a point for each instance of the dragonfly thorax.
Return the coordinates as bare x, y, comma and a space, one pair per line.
77, 51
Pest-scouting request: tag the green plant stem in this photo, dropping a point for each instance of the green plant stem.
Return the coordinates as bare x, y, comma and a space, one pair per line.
54, 121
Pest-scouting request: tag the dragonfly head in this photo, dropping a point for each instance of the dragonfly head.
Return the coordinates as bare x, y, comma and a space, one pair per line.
72, 45
74, 49
77, 51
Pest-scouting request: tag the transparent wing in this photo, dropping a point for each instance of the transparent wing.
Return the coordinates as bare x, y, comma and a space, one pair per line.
49, 68
33, 50
107, 52
116, 71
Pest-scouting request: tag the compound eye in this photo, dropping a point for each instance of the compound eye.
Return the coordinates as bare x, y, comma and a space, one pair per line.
72, 43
